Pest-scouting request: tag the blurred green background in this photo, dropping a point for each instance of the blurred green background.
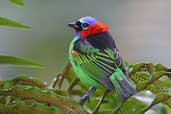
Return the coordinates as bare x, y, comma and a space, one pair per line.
141, 29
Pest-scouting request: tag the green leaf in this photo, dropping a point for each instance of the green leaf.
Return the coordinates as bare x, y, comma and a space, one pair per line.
160, 98
18, 2
10, 23
151, 68
18, 61
160, 67
145, 84
129, 108
43, 96
139, 77
136, 68
142, 67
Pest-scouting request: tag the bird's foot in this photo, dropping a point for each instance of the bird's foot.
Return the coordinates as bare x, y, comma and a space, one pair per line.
84, 98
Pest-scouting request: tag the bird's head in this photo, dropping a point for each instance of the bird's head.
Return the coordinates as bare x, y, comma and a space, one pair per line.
88, 26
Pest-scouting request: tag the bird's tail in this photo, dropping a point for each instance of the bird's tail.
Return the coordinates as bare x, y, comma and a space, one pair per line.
122, 85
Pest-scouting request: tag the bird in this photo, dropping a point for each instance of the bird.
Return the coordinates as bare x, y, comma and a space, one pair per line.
96, 60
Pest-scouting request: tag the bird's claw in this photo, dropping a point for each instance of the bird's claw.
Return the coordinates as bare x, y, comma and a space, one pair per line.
84, 98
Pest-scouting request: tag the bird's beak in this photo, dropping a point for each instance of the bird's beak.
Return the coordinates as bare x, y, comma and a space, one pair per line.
73, 25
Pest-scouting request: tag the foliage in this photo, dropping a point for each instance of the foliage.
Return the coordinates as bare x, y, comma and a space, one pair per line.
18, 2
146, 76
25, 95
10, 59
18, 61
10, 23
7, 22
28, 95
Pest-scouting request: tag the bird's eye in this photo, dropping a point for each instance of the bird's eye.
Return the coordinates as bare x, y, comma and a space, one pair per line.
84, 25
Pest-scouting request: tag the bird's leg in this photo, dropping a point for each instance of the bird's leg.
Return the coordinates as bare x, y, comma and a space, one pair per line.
85, 97
105, 93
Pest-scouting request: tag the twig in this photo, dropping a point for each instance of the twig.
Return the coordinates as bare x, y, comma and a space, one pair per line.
55, 81
65, 71
60, 77
73, 83
105, 93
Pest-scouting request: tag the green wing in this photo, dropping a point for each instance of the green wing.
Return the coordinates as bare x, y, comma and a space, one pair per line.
98, 64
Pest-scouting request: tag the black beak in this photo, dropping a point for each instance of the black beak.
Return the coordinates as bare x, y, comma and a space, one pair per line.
73, 25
